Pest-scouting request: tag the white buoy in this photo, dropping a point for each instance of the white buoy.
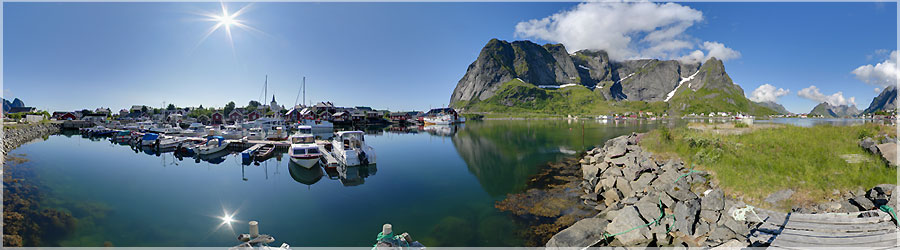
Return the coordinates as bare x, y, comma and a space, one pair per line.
386, 229
254, 229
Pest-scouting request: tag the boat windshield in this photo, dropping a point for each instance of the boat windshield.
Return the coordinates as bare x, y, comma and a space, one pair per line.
303, 139
300, 151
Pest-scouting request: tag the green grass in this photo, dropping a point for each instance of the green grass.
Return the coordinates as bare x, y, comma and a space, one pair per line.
766, 160
516, 98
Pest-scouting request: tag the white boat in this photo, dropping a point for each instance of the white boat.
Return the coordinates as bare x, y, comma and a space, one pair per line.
231, 132
317, 125
304, 150
276, 134
350, 149
213, 144
443, 120
255, 134
149, 139
304, 129
195, 130
165, 142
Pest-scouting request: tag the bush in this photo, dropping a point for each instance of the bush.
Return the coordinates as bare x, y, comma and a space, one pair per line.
741, 125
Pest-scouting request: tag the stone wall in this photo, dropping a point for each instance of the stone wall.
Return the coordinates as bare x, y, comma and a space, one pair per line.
15, 137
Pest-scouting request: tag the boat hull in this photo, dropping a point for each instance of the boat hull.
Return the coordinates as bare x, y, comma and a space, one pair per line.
306, 162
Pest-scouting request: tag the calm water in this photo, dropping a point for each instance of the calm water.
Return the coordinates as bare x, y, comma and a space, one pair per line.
439, 184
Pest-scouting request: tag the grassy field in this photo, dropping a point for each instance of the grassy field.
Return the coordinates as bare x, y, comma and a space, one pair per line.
761, 161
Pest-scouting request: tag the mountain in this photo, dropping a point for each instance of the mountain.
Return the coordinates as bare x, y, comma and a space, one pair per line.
774, 106
15, 103
528, 74
887, 100
830, 111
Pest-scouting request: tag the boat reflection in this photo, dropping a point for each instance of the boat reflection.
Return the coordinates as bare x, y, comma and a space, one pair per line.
442, 130
214, 158
303, 175
351, 176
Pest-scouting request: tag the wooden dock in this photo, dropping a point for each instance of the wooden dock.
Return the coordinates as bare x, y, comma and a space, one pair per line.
327, 160
872, 229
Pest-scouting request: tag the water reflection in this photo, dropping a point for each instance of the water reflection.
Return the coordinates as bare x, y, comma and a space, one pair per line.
303, 175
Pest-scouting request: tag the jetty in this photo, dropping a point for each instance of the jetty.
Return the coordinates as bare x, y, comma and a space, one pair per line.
872, 229
327, 160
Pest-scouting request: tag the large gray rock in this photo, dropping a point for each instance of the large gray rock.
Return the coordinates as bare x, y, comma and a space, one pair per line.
589, 170
681, 193
714, 200
869, 144
648, 210
583, 233
626, 219
863, 203
686, 215
889, 153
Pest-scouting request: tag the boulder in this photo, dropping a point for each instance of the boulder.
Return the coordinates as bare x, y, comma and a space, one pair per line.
631, 171
648, 210
643, 182
681, 194
869, 145
731, 244
626, 219
889, 153
608, 182
737, 227
589, 170
624, 186
720, 234
583, 233
862, 203
615, 150
779, 196
686, 215
887, 189
621, 161
711, 216
714, 200
847, 207
611, 196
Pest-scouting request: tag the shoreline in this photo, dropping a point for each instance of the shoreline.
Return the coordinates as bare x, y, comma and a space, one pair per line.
20, 134
668, 203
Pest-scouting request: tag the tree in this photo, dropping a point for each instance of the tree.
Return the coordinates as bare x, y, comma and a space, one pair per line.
86, 112
201, 106
254, 104
229, 107
144, 109
170, 107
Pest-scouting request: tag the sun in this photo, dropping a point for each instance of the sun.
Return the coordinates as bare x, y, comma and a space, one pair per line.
226, 20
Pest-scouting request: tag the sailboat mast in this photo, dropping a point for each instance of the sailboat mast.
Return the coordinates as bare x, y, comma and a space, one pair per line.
304, 90
266, 91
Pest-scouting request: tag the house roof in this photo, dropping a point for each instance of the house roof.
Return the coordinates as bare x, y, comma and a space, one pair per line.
20, 109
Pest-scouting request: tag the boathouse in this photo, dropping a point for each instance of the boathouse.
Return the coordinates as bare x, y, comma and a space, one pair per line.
217, 118
235, 116
252, 116
67, 116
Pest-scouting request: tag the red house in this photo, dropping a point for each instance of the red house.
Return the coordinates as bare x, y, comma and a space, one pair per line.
293, 115
68, 116
235, 116
253, 116
217, 118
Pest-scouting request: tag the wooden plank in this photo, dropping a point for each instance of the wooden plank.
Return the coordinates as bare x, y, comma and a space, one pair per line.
839, 227
780, 242
841, 220
837, 241
841, 234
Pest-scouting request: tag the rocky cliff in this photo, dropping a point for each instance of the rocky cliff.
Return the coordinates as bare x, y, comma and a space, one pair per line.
648, 80
886, 101
774, 107
831, 111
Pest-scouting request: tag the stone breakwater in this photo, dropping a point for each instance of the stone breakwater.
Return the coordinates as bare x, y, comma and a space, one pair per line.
643, 201
15, 137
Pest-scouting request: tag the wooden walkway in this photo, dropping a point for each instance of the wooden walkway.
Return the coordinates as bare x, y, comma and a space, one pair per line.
872, 229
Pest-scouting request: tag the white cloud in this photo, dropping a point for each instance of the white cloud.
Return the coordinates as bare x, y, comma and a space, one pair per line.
768, 93
813, 93
626, 30
882, 74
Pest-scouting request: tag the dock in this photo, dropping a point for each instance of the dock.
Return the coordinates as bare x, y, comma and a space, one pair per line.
873, 229
327, 160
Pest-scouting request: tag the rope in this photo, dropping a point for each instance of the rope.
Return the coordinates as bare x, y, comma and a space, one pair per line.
389, 237
890, 210
740, 214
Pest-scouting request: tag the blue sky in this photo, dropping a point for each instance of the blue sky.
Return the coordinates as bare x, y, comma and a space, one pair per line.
399, 56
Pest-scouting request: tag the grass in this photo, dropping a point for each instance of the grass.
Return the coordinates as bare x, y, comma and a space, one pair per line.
762, 161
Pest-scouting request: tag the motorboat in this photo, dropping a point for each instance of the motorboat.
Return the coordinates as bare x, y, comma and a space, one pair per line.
149, 139
195, 130
304, 150
231, 132
304, 129
166, 142
442, 116
276, 134
122, 135
255, 134
317, 125
350, 149
213, 144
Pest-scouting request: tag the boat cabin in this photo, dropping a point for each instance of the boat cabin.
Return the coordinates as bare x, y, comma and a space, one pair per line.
351, 139
303, 139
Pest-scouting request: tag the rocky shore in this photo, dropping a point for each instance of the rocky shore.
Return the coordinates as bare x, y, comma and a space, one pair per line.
644, 201
14, 137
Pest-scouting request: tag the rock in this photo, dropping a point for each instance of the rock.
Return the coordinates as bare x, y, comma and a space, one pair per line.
681, 194
886, 189
648, 210
612, 171
608, 182
720, 234
737, 227
889, 153
863, 203
847, 207
631, 172
869, 145
583, 233
711, 216
626, 219
701, 228
589, 170
731, 244
714, 200
779, 196
600, 207
624, 186
611, 196
591, 196
621, 161
830, 207
643, 182
617, 150
686, 215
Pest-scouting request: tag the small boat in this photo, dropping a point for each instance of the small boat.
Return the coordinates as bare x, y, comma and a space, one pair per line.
213, 144
166, 142
255, 134
231, 132
350, 149
149, 139
276, 134
264, 152
317, 125
122, 135
195, 130
304, 151
304, 129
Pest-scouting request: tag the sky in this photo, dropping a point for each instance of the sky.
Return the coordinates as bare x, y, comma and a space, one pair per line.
410, 56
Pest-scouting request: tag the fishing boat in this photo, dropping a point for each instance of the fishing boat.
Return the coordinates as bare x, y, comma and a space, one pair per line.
350, 149
213, 144
304, 151
442, 116
149, 139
